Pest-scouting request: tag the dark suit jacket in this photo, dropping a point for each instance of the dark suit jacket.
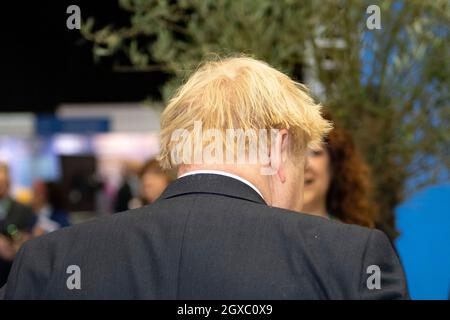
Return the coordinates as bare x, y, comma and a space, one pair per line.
208, 237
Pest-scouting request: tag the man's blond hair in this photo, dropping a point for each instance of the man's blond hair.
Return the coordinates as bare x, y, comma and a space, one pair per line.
242, 93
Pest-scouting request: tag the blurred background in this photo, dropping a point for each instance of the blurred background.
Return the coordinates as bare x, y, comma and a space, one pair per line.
80, 108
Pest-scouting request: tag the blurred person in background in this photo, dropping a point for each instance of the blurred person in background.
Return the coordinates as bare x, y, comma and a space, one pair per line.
337, 182
154, 181
48, 208
128, 190
16, 221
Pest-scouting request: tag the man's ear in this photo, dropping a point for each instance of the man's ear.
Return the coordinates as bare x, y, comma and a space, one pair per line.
279, 154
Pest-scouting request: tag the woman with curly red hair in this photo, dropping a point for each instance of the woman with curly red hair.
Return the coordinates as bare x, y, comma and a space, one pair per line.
337, 183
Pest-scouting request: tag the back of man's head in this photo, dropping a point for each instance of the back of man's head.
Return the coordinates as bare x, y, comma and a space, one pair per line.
239, 105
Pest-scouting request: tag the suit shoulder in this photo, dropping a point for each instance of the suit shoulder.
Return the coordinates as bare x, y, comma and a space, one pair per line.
309, 219
331, 232
105, 228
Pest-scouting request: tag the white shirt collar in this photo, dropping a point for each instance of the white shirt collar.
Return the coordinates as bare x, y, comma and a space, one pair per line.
223, 173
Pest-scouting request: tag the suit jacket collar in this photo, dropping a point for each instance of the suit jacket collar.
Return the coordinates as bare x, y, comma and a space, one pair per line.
211, 184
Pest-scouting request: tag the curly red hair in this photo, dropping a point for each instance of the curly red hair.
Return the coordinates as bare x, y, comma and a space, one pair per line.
349, 196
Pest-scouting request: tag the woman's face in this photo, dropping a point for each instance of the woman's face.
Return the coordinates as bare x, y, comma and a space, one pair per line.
317, 179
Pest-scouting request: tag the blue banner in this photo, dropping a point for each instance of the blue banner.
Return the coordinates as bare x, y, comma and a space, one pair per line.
49, 125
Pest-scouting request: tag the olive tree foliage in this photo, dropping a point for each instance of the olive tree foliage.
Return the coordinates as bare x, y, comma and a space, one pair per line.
388, 87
